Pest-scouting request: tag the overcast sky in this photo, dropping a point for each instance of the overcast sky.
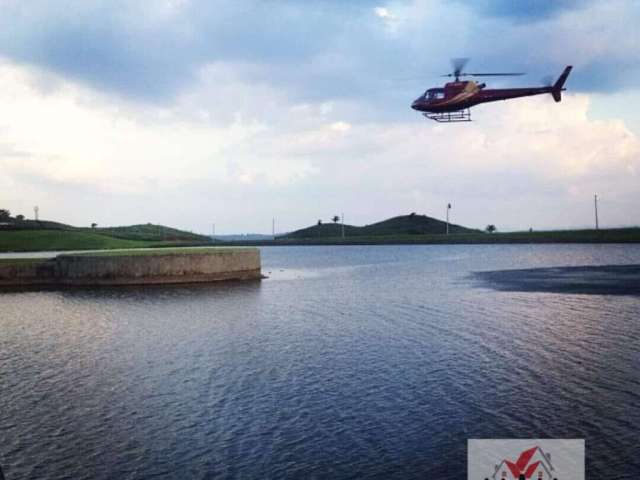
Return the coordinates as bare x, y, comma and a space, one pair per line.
187, 112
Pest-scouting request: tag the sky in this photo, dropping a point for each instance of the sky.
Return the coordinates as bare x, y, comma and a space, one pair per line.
191, 113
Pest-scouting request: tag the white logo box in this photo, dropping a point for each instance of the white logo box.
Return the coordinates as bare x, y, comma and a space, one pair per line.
536, 459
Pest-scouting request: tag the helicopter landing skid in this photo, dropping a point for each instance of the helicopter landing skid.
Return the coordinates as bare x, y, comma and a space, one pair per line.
450, 117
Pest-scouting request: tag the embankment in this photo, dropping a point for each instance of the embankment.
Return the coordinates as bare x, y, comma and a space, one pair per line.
134, 268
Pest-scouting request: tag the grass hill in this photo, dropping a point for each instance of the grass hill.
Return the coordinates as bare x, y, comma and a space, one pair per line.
20, 235
412, 225
403, 225
150, 232
323, 230
13, 223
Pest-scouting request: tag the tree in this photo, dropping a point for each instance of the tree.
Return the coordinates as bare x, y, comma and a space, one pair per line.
491, 228
335, 219
319, 222
4, 214
20, 218
94, 225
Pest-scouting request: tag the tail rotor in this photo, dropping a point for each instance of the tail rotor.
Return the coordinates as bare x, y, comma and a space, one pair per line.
558, 87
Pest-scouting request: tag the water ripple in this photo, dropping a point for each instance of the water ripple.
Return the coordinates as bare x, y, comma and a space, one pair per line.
348, 362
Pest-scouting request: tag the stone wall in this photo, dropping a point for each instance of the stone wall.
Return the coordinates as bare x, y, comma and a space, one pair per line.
128, 269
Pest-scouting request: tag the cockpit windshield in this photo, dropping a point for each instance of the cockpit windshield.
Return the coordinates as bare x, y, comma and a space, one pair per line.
434, 93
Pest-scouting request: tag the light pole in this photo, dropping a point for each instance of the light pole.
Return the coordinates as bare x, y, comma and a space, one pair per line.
342, 216
36, 209
595, 206
448, 208
273, 228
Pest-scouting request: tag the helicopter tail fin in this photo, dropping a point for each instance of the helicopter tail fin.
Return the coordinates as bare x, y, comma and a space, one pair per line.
558, 87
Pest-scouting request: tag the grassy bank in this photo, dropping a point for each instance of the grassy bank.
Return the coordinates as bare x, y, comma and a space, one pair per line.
159, 251
41, 240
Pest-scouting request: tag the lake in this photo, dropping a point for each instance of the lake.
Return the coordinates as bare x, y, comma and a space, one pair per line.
347, 362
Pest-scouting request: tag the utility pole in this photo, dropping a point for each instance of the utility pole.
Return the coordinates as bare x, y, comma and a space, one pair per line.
273, 227
35, 212
213, 230
595, 205
342, 215
448, 208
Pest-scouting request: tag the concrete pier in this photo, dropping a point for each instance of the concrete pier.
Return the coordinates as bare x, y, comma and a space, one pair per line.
134, 268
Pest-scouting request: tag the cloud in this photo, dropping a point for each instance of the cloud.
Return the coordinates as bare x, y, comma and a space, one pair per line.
188, 112
340, 126
527, 10
85, 136
598, 40
76, 150
382, 12
154, 51
151, 50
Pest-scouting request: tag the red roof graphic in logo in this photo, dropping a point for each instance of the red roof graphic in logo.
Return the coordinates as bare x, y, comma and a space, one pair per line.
521, 466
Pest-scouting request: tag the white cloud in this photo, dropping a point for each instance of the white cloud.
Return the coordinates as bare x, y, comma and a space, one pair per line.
75, 134
241, 153
340, 126
382, 12
390, 20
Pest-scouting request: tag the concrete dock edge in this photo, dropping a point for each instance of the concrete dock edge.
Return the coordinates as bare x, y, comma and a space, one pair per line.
132, 268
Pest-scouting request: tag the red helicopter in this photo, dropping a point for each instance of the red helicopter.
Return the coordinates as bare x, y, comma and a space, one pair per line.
452, 102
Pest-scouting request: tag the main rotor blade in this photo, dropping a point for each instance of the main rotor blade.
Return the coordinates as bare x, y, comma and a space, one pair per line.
506, 74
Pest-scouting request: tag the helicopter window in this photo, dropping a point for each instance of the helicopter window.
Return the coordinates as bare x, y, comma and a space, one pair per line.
435, 93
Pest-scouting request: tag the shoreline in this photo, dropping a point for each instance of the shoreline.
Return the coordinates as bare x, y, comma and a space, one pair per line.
614, 235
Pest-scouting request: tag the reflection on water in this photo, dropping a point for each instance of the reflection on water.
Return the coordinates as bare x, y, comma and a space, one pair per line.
373, 362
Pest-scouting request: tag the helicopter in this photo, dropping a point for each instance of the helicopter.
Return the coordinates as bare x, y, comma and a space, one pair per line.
452, 102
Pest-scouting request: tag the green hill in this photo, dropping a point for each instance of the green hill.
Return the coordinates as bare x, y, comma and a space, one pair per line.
21, 235
150, 232
324, 230
412, 225
403, 225
13, 223
147, 231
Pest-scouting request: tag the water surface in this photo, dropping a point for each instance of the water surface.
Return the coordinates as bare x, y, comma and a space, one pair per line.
348, 362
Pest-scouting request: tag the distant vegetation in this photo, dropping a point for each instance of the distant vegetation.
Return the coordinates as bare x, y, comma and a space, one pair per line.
20, 235
617, 235
403, 225
421, 229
